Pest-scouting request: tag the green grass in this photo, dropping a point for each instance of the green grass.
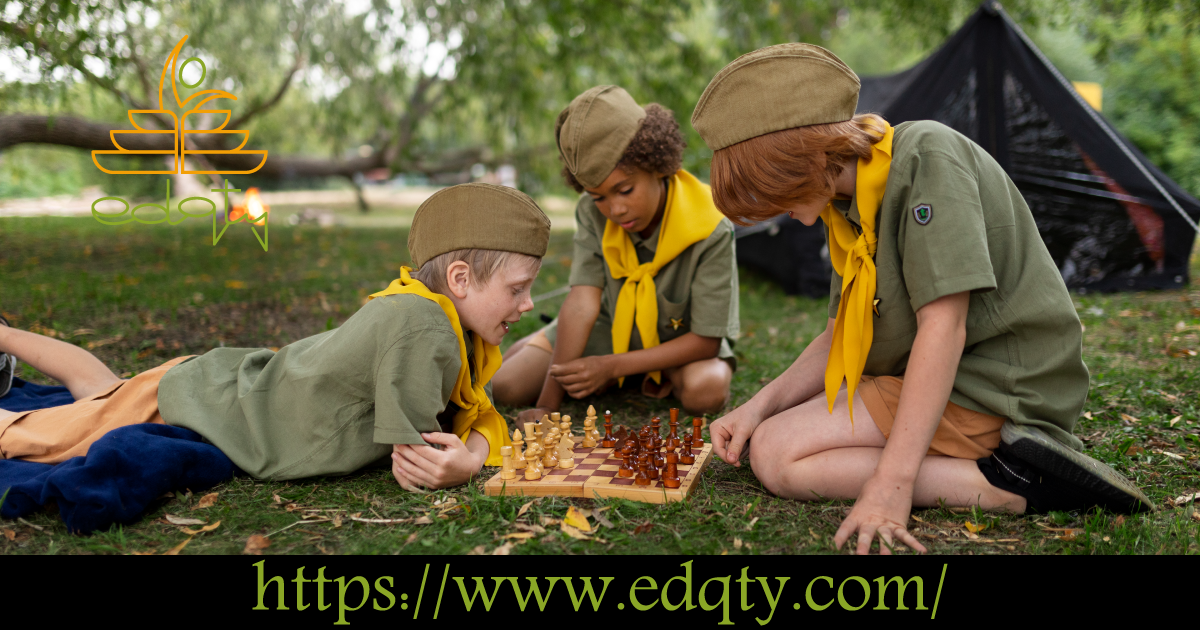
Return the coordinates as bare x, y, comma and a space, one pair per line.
143, 294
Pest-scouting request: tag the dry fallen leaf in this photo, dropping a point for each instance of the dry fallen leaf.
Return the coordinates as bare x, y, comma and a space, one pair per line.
547, 521
643, 528
525, 527
737, 543
1087, 414
1119, 521
1184, 498
525, 508
520, 535
1175, 419
479, 550
207, 500
503, 550
411, 538
423, 520
752, 522
574, 532
1134, 450
603, 520
973, 528
179, 520
576, 519
10, 534
255, 544
916, 518
278, 499
337, 520
1130, 418
206, 528
174, 551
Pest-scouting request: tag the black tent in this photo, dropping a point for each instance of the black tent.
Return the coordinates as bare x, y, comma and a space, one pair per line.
1110, 218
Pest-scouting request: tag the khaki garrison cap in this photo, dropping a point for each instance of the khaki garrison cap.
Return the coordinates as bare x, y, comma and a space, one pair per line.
594, 131
478, 216
775, 88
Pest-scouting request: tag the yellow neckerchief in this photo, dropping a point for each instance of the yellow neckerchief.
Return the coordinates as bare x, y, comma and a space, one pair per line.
689, 217
476, 410
853, 255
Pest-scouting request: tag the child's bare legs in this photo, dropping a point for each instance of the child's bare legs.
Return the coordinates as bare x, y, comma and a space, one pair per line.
702, 387
805, 453
519, 380
79, 370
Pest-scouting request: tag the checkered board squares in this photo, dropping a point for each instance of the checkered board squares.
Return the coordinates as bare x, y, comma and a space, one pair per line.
595, 477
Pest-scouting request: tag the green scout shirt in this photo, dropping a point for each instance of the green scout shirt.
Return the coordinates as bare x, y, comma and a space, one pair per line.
950, 221
698, 289
325, 405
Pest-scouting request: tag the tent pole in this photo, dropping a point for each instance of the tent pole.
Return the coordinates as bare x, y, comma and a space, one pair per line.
1098, 119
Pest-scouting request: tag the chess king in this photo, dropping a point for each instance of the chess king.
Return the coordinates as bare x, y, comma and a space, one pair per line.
951, 369
431, 338
653, 273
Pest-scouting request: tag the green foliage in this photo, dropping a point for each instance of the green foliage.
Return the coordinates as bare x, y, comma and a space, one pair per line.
1153, 90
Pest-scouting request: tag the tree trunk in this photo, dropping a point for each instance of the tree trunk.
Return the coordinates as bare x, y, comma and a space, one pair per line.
70, 131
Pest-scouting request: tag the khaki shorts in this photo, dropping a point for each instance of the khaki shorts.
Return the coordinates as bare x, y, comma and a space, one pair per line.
54, 435
962, 433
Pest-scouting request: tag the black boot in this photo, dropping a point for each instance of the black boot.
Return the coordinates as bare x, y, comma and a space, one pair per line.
1052, 476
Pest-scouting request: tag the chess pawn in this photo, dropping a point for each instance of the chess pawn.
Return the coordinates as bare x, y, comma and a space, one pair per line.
533, 470
626, 469
506, 469
652, 471
518, 457
685, 453
565, 431
642, 478
550, 459
590, 434
609, 441
656, 425
670, 477
566, 457
697, 440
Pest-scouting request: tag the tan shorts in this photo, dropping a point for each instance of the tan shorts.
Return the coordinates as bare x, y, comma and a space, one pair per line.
54, 435
649, 387
962, 433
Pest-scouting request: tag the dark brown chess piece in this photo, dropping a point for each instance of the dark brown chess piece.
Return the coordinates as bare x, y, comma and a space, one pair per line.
673, 440
697, 441
643, 477
608, 441
626, 469
651, 470
656, 425
670, 476
685, 454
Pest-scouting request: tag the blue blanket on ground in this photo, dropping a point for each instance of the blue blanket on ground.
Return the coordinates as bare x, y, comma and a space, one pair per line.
26, 396
114, 483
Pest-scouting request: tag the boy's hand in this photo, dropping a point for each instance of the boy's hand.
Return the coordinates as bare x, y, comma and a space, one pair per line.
731, 433
584, 376
882, 508
421, 465
531, 415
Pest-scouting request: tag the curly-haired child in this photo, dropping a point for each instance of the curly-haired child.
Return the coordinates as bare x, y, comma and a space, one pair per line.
653, 277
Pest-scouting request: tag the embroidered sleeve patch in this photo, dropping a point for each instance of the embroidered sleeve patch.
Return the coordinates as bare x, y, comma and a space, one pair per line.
923, 213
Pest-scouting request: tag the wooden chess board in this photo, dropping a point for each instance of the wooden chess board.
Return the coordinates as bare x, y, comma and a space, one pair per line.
595, 477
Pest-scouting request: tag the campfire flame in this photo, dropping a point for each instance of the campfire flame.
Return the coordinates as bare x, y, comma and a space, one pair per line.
252, 206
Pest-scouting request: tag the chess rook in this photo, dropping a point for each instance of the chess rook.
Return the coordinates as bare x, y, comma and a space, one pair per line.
506, 468
697, 441
670, 476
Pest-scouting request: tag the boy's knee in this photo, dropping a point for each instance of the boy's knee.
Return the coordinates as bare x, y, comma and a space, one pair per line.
705, 391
